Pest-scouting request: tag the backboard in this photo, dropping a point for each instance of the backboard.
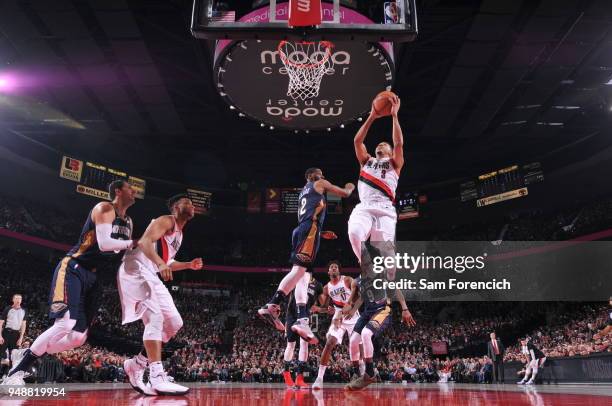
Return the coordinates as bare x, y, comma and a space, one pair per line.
258, 57
391, 20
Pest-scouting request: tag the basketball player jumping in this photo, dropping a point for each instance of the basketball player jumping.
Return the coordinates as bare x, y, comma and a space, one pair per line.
375, 216
305, 242
74, 289
144, 296
338, 289
315, 291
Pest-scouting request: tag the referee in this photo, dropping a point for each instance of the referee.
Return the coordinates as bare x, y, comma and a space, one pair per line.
13, 327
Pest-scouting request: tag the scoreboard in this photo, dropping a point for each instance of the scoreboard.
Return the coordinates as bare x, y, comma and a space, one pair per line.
407, 205
93, 179
289, 200
286, 201
503, 184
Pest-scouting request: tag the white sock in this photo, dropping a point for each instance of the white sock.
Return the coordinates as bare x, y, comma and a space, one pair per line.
156, 368
322, 369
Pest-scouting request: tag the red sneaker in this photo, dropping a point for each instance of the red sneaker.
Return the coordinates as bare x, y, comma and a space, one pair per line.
299, 381
288, 379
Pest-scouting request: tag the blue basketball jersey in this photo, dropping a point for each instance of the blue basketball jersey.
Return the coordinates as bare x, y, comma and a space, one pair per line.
87, 252
312, 205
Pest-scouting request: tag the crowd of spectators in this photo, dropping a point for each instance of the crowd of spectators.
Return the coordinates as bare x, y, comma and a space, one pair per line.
209, 348
36, 219
571, 334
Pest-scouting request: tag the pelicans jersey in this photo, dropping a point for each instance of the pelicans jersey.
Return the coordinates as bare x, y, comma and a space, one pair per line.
312, 205
87, 253
311, 215
74, 287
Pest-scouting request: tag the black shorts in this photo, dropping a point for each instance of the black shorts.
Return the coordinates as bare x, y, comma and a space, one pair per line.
305, 243
74, 289
375, 317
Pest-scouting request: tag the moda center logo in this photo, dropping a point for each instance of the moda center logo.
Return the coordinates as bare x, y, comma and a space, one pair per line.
288, 108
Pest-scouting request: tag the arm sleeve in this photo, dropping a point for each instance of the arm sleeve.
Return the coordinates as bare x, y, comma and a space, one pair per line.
106, 243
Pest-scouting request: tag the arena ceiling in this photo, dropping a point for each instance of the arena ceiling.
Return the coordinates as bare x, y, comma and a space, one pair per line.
487, 83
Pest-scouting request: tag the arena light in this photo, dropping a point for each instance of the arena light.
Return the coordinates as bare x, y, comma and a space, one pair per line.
262, 125
271, 127
341, 125
7, 83
360, 119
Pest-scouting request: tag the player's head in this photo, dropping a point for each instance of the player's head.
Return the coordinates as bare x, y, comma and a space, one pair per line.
120, 190
492, 335
384, 150
181, 206
333, 269
314, 174
17, 299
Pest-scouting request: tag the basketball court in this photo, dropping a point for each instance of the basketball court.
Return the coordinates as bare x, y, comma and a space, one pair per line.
303, 66
335, 395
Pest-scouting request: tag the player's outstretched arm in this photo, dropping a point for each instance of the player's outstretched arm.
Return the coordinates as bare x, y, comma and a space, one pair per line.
324, 186
154, 232
360, 149
398, 137
103, 216
406, 315
195, 265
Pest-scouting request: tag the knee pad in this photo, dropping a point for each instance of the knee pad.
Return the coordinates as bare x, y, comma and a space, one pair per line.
171, 326
367, 333
153, 326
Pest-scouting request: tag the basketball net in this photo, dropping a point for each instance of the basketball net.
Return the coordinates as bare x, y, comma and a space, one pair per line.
306, 63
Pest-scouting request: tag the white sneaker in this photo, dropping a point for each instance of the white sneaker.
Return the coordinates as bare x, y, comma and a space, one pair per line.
162, 385
135, 373
15, 380
302, 329
530, 382
521, 382
318, 384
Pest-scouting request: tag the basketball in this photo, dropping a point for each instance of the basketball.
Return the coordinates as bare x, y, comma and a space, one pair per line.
382, 102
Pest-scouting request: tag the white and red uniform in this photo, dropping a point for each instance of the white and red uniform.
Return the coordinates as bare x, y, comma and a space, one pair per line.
339, 294
375, 216
140, 288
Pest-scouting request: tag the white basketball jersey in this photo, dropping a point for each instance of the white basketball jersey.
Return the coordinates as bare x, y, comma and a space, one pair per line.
166, 247
338, 292
377, 181
340, 295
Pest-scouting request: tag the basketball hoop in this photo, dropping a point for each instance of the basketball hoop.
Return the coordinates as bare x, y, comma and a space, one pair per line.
306, 63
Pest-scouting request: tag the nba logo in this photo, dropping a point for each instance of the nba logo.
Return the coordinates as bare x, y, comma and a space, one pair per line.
391, 12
